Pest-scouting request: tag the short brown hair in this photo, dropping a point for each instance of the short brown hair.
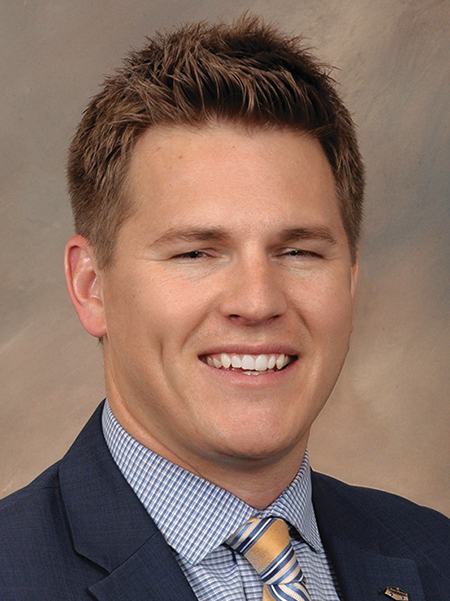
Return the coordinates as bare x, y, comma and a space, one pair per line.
246, 72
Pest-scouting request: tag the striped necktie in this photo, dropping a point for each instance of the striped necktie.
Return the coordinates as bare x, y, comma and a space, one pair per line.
267, 546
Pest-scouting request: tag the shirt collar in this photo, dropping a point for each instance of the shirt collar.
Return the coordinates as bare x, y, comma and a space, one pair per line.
194, 515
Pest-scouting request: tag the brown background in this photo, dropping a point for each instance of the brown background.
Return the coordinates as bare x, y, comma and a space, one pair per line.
387, 424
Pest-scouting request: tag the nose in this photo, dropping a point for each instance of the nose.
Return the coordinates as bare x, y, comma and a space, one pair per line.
254, 292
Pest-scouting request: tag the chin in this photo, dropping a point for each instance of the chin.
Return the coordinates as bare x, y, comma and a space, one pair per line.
260, 449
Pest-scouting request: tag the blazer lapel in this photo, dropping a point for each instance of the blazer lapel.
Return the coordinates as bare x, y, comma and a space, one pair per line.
150, 574
111, 528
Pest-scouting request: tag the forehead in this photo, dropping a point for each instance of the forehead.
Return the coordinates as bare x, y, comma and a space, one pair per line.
231, 175
174, 146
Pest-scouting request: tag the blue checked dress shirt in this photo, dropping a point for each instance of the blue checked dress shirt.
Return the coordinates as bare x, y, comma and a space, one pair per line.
196, 517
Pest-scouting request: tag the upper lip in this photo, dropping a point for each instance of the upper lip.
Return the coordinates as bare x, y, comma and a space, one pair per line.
247, 349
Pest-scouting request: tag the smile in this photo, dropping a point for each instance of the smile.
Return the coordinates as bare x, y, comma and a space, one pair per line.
252, 365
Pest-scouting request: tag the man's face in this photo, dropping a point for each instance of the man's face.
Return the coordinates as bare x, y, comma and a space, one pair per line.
229, 303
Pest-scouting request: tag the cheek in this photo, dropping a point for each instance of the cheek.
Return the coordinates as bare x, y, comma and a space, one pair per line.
328, 310
164, 314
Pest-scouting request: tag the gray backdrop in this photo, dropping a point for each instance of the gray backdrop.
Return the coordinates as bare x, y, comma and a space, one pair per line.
388, 420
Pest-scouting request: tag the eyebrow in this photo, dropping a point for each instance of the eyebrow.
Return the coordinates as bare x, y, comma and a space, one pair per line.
180, 234
319, 233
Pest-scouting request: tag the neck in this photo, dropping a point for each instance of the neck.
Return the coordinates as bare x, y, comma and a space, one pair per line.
258, 486
257, 482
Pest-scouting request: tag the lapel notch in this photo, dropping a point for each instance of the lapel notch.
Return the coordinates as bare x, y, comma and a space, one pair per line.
150, 574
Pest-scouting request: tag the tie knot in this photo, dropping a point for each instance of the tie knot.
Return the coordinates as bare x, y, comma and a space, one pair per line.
261, 540
267, 546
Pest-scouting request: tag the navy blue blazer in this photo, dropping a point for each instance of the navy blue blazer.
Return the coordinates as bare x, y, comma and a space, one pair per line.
78, 532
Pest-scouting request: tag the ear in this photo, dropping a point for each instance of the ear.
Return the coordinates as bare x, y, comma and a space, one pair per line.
85, 285
354, 283
354, 277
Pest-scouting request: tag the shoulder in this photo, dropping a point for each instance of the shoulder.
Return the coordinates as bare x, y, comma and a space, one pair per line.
370, 514
27, 503
379, 537
38, 510
33, 535
37, 555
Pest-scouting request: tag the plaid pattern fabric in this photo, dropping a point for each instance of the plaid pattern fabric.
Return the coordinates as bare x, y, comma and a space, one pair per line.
196, 517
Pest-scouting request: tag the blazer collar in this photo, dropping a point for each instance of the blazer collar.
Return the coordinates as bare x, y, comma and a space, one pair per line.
111, 528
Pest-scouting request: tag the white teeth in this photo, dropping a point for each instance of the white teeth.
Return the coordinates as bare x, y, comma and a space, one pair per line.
236, 362
225, 360
272, 362
280, 361
250, 364
261, 363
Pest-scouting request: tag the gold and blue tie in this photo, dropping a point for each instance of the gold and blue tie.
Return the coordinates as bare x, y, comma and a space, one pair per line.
267, 546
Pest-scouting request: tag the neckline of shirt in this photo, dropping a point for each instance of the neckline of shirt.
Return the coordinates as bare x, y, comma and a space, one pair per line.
194, 515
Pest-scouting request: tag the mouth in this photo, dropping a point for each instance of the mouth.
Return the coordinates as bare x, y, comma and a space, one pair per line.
251, 365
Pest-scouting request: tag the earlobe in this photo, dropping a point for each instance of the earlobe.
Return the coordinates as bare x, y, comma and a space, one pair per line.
84, 284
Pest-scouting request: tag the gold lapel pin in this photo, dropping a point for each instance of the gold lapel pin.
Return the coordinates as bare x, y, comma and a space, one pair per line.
396, 593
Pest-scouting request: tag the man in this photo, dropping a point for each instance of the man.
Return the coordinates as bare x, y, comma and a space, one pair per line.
217, 191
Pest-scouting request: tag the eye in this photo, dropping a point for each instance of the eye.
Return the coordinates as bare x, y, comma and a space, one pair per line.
301, 252
192, 255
